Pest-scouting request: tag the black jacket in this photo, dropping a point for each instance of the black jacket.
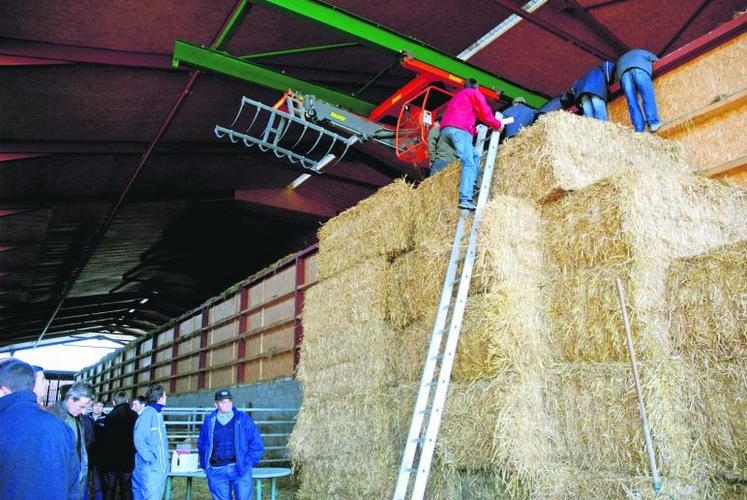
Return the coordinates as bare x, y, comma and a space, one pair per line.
117, 448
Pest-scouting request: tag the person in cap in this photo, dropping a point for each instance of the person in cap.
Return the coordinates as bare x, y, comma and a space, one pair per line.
522, 114
152, 448
634, 70
229, 446
37, 449
458, 129
591, 90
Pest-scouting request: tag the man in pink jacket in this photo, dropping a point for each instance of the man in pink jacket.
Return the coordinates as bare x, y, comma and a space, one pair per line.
458, 128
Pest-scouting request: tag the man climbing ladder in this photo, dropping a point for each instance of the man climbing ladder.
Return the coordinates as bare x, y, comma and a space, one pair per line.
429, 405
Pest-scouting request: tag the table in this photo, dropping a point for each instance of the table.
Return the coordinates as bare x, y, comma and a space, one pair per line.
258, 474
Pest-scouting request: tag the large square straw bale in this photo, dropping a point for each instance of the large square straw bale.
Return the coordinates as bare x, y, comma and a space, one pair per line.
707, 303
596, 426
718, 398
565, 152
631, 225
435, 211
378, 225
502, 329
640, 212
568, 483
508, 249
466, 436
342, 302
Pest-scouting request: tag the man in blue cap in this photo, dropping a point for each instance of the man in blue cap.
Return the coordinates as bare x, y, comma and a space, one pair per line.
229, 446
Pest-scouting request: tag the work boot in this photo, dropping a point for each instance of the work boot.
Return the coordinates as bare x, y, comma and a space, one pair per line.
467, 205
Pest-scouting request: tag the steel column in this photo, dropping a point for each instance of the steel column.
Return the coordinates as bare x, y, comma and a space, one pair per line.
201, 376
174, 354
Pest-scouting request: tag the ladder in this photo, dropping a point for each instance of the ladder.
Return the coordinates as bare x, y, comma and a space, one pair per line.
429, 404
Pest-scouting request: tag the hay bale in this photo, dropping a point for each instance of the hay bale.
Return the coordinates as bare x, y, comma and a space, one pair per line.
641, 212
435, 211
718, 398
378, 225
508, 248
707, 303
565, 152
631, 225
466, 434
571, 484
350, 447
593, 411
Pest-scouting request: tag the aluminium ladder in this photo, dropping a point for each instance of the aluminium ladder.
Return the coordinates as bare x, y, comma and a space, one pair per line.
429, 405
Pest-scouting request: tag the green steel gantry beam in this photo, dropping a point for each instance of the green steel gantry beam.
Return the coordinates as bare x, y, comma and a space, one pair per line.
377, 36
220, 62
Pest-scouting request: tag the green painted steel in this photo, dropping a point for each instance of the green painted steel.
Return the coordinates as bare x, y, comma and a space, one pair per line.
300, 50
372, 34
233, 24
220, 62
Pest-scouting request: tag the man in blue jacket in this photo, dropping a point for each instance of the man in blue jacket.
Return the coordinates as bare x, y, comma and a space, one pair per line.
634, 70
591, 90
152, 448
37, 449
229, 446
522, 114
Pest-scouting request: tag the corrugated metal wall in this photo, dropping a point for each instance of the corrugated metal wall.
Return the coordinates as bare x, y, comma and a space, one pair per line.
250, 333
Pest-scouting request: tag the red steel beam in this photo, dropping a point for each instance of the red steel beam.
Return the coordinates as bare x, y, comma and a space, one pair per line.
587, 19
174, 354
563, 35
286, 199
19, 156
7, 61
201, 379
55, 53
243, 323
298, 310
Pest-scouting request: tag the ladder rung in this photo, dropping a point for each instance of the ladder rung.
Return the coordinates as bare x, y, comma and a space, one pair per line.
430, 384
438, 356
425, 412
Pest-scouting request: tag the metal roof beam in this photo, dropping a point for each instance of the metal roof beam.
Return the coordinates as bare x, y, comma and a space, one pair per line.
220, 62
563, 35
588, 20
383, 38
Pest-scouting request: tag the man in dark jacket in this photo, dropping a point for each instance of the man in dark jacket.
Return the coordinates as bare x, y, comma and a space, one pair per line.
562, 102
229, 446
70, 410
634, 70
591, 90
117, 449
37, 449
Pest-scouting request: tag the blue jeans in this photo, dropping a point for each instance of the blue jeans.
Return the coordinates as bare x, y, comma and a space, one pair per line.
634, 81
221, 479
461, 140
594, 106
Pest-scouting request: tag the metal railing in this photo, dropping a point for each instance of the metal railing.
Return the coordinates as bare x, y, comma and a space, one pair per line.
275, 426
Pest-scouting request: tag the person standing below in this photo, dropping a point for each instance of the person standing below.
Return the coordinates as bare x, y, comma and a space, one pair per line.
634, 71
37, 449
95, 422
458, 129
152, 448
70, 410
138, 403
229, 446
41, 385
560, 103
591, 90
522, 114
117, 450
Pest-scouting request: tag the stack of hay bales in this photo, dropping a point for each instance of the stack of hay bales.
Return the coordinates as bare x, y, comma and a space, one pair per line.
542, 402
707, 303
346, 438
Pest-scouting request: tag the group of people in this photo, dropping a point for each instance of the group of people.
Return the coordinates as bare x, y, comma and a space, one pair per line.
52, 453
452, 137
